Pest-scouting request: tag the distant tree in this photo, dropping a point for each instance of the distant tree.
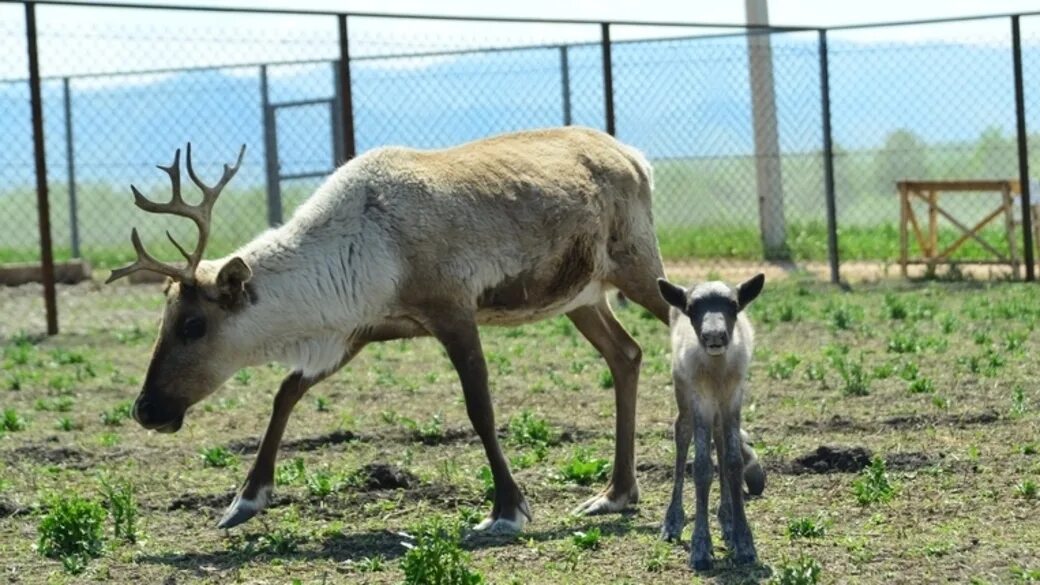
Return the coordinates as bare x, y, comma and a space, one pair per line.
995, 155
902, 157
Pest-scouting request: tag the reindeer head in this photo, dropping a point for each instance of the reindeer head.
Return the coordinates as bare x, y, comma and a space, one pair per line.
191, 358
712, 308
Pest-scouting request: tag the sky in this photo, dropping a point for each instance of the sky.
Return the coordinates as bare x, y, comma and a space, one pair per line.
786, 12
77, 40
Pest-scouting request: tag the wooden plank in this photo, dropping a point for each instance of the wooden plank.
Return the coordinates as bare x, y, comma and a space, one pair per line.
955, 186
70, 272
971, 233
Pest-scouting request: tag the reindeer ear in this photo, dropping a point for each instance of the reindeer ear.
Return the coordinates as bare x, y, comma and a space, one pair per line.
748, 290
674, 294
232, 279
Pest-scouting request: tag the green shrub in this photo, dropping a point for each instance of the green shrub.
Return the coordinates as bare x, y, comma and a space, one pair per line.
12, 421
436, 557
583, 469
804, 570
873, 485
805, 528
529, 430
218, 457
72, 530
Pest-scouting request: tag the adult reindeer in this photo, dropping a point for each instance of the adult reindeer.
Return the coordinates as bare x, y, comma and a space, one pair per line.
403, 243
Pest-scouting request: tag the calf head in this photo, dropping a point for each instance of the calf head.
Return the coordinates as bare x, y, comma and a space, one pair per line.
193, 354
712, 308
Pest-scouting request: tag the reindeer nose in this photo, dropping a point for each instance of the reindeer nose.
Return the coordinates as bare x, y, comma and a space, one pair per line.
715, 339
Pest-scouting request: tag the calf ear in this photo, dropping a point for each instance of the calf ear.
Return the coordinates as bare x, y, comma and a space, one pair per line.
748, 290
675, 295
232, 279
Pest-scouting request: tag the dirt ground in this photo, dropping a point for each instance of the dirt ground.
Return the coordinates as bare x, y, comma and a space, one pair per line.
939, 380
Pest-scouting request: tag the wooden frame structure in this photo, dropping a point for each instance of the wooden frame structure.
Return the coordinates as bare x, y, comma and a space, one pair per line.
928, 240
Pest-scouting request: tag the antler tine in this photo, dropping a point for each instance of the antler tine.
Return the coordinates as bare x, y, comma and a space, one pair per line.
146, 262
174, 171
211, 193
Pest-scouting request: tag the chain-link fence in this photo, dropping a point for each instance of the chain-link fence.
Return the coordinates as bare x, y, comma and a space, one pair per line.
734, 120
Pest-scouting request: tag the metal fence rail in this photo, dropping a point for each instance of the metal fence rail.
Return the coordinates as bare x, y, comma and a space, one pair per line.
769, 143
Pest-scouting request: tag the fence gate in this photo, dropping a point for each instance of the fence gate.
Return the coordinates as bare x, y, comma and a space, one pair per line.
272, 160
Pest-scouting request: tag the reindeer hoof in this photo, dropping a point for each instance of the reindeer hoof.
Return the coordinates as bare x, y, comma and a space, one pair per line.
502, 525
241, 510
606, 502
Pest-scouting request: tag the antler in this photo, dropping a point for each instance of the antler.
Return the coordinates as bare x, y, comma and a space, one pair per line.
200, 214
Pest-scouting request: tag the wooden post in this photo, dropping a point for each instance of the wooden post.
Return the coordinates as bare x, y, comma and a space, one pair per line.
43, 208
904, 202
767, 141
1009, 225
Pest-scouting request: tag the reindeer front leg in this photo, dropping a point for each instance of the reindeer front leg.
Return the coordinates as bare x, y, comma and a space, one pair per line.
256, 492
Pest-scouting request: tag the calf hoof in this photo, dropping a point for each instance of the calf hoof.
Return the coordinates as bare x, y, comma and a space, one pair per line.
700, 565
755, 478
671, 528
745, 558
242, 509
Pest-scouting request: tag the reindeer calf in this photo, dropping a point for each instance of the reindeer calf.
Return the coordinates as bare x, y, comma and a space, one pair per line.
711, 351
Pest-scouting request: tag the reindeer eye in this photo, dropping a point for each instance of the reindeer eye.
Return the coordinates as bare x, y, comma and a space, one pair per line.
193, 328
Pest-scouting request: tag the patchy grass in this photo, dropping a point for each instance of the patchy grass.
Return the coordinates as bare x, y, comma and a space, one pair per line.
384, 445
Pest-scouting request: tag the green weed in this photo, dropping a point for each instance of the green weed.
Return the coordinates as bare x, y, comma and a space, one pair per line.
586, 540
583, 469
121, 501
218, 457
116, 416
529, 430
805, 528
436, 558
921, 386
1027, 489
804, 570
873, 485
783, 368
12, 421
72, 531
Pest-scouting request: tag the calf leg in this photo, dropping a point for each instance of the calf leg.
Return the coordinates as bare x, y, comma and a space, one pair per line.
675, 517
700, 545
623, 356
462, 342
725, 513
732, 466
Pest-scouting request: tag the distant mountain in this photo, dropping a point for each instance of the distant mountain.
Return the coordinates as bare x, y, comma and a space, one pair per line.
672, 99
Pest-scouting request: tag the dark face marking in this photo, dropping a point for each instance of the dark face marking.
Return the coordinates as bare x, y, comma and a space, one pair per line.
712, 308
713, 316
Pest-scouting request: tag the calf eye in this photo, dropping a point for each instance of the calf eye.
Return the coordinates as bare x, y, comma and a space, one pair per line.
193, 328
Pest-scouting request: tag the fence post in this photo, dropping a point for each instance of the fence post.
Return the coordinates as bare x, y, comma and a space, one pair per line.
828, 161
42, 196
1023, 151
565, 82
346, 98
274, 184
608, 78
70, 167
336, 118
